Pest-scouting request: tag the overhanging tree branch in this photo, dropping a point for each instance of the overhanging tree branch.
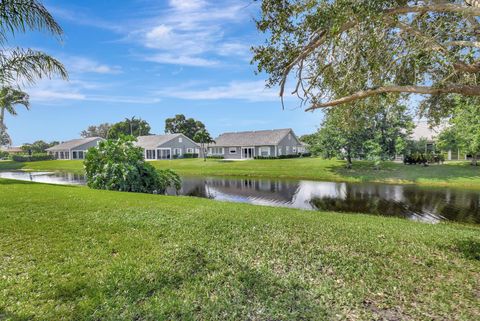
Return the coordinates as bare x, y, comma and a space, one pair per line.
450, 89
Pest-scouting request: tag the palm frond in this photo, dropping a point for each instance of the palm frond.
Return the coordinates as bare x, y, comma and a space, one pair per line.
29, 65
10, 97
21, 15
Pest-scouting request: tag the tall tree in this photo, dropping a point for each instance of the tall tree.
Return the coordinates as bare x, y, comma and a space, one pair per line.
203, 137
129, 127
96, 131
367, 130
341, 51
9, 98
464, 130
182, 125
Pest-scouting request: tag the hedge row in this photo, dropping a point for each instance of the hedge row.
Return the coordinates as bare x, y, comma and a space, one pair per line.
186, 155
31, 158
284, 156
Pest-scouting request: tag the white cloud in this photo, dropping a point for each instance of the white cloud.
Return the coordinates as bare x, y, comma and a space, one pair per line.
80, 17
182, 60
187, 4
253, 91
57, 91
191, 32
86, 65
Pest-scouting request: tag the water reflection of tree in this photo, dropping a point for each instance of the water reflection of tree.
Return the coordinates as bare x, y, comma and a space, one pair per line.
376, 199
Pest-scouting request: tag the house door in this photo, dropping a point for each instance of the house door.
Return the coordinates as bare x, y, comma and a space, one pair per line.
248, 152
163, 154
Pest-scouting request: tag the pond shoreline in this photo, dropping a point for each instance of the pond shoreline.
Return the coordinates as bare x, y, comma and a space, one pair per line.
419, 203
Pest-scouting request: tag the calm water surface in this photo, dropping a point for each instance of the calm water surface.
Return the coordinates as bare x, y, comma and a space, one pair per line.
408, 201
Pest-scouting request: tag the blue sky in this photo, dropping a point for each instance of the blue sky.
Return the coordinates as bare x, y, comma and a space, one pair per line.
153, 59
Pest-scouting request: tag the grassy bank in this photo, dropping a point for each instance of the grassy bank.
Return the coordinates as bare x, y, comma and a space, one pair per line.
76, 253
455, 174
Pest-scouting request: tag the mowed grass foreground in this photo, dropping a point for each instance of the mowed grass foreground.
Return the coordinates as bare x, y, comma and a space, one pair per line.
76, 253
454, 174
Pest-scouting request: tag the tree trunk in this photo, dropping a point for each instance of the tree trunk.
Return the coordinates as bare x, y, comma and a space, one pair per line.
2, 117
474, 160
349, 158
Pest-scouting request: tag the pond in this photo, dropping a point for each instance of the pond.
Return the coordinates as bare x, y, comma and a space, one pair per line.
408, 201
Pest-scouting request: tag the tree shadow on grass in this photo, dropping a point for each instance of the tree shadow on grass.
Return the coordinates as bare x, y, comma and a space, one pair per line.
5, 315
469, 248
5, 181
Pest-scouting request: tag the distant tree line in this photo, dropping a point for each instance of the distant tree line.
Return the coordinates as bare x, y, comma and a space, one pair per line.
193, 129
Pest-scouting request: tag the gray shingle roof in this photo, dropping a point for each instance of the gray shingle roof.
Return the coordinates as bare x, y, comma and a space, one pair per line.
154, 141
70, 144
252, 138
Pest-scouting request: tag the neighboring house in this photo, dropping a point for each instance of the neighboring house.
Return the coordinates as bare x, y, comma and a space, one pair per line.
423, 131
246, 145
304, 148
73, 149
12, 149
168, 146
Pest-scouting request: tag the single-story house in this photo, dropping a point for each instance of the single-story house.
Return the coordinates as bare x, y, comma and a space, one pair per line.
423, 131
12, 149
246, 145
167, 146
74, 149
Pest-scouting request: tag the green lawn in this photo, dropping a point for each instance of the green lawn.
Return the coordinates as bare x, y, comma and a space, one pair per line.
459, 174
75, 253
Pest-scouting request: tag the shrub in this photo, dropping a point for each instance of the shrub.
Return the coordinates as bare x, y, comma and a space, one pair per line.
3, 154
119, 165
283, 156
190, 155
424, 159
215, 157
31, 158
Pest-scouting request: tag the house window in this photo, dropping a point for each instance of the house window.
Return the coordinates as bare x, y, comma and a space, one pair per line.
232, 150
81, 155
150, 154
67, 155
74, 155
216, 150
289, 136
279, 150
264, 151
177, 151
294, 149
180, 139
190, 150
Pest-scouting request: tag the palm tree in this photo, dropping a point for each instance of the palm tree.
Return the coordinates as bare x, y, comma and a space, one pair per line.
26, 65
203, 137
9, 98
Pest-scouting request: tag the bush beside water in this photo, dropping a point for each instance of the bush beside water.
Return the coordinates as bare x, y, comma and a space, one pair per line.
118, 165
